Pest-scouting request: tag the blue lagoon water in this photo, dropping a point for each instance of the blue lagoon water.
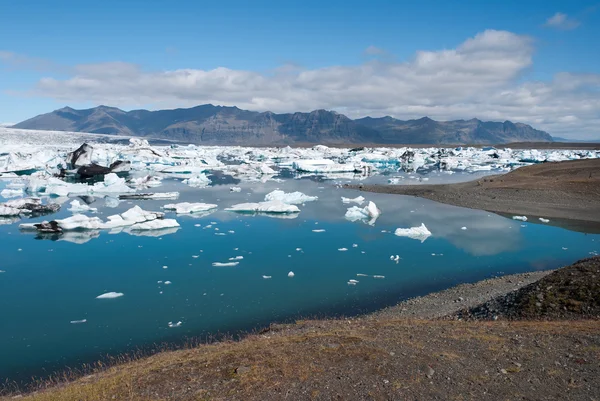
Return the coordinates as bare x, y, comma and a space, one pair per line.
48, 282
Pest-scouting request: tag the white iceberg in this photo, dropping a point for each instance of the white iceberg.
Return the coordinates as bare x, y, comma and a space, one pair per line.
369, 212
132, 216
80, 222
292, 198
11, 193
198, 181
358, 200
543, 220
264, 207
159, 224
420, 233
110, 295
226, 264
521, 218
78, 207
187, 207
235, 189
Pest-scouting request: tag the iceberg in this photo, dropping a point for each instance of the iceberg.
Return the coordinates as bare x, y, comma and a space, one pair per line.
358, 200
11, 193
198, 181
148, 181
369, 212
153, 196
110, 295
159, 224
80, 222
78, 207
521, 218
264, 207
292, 198
186, 207
226, 264
135, 215
420, 233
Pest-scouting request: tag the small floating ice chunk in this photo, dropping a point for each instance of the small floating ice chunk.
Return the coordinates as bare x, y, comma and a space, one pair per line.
171, 324
155, 225
235, 189
354, 245
226, 264
362, 275
165, 267
342, 249
78, 321
318, 231
358, 200
378, 276
395, 258
195, 256
237, 258
167, 282
522, 218
420, 233
266, 277
543, 220
353, 281
291, 274
463, 228
110, 295
198, 181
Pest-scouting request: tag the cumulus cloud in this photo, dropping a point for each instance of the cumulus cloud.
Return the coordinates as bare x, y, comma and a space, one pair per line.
482, 77
561, 21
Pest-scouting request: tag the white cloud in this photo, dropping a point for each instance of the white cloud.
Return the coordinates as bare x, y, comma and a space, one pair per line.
561, 21
482, 78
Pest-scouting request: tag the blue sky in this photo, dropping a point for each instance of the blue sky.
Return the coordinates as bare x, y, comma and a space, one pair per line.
377, 57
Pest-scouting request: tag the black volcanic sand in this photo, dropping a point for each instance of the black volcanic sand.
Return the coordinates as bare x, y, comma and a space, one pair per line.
567, 193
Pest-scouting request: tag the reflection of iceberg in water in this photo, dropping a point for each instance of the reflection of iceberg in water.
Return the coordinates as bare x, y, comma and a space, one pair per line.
75, 237
153, 233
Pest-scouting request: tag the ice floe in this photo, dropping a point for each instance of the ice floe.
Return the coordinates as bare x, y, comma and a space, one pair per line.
225, 264
291, 274
293, 198
264, 207
358, 200
187, 208
110, 295
78, 207
522, 218
543, 220
368, 214
420, 233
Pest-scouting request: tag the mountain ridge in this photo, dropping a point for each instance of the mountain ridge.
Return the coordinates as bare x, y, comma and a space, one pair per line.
230, 125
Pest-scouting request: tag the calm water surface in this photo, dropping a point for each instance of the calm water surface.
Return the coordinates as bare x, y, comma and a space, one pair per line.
46, 284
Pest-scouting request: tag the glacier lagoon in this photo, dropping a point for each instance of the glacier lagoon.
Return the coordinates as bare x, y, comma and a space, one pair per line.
49, 283
74, 297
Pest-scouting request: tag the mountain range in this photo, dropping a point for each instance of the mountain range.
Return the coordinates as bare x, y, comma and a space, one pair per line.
221, 125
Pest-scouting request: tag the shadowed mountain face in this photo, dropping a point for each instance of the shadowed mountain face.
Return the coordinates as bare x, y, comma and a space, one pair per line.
221, 125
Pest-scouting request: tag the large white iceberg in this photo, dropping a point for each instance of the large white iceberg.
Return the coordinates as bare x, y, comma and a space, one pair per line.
420, 233
292, 198
135, 215
187, 207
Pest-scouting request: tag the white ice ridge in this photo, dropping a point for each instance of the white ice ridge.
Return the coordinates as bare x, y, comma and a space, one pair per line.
78, 207
187, 207
358, 200
110, 295
264, 207
421, 233
292, 198
369, 213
